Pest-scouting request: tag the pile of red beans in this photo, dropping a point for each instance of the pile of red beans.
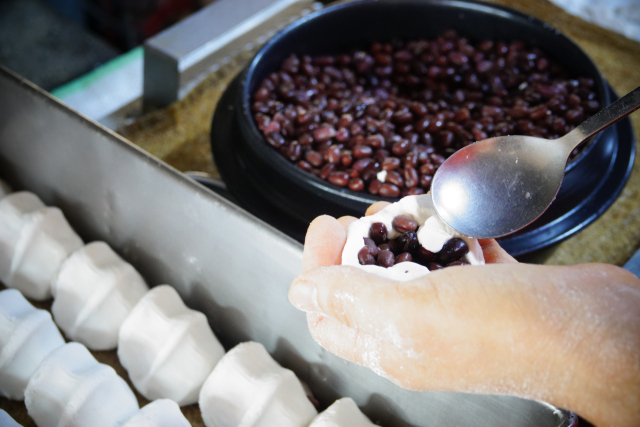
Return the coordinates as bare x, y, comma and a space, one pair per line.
379, 250
404, 107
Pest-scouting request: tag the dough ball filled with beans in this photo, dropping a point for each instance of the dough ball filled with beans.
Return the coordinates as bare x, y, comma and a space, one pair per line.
384, 252
406, 240
403, 107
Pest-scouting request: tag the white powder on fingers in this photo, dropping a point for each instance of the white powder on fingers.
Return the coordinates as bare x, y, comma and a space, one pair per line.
371, 354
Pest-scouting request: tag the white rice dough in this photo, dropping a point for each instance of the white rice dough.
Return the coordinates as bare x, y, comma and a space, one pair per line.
249, 389
167, 348
94, 292
159, 413
72, 389
432, 234
38, 241
342, 413
27, 336
7, 421
4, 189
13, 216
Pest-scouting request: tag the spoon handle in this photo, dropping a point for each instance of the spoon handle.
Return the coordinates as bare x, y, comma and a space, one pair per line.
603, 119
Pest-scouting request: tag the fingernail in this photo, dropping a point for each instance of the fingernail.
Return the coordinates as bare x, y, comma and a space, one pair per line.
304, 296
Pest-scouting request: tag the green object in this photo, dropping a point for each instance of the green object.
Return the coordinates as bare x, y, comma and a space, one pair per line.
81, 83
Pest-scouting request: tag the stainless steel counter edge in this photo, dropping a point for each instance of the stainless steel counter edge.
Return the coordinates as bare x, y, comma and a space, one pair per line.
223, 262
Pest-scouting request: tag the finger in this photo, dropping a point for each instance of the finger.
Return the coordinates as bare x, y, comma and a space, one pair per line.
323, 243
349, 343
493, 252
376, 207
334, 336
346, 221
356, 298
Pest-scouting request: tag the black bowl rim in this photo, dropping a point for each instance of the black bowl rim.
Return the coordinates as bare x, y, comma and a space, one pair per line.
313, 183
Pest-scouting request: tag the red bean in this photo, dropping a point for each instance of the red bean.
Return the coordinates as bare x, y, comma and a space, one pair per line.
389, 190
346, 158
390, 163
419, 109
360, 151
446, 138
332, 154
404, 223
425, 181
437, 159
293, 151
314, 158
275, 139
400, 147
462, 115
369, 172
362, 164
435, 125
326, 171
380, 155
375, 141
575, 115
484, 66
262, 94
539, 112
374, 186
423, 124
339, 178
305, 166
403, 257
365, 257
410, 177
410, 160
427, 169
356, 184
324, 133
385, 258
394, 178
402, 116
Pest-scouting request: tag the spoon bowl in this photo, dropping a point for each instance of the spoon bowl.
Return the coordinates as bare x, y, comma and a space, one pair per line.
500, 185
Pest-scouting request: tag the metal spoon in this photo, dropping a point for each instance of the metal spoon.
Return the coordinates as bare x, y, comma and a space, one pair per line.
499, 185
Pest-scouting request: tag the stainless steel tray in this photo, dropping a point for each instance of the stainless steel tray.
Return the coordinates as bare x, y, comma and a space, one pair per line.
223, 261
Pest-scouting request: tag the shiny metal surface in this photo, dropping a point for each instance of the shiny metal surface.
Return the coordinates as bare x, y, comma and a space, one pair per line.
499, 185
222, 261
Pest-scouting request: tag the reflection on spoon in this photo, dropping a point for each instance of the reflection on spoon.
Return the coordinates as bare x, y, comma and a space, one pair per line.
499, 185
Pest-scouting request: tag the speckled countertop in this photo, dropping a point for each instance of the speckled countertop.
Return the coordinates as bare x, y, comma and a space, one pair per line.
179, 135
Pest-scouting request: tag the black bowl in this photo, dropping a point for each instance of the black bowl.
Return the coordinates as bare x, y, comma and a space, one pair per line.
300, 196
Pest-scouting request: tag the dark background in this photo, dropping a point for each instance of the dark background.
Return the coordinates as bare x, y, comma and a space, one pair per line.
52, 42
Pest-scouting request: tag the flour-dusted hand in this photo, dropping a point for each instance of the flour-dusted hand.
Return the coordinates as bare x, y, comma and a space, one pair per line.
565, 335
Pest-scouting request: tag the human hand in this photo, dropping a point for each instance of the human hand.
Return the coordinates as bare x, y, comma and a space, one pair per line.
566, 335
